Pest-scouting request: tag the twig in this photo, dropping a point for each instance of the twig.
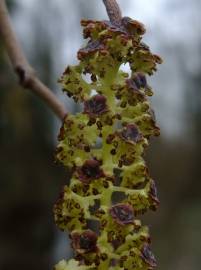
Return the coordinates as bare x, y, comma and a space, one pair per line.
26, 74
113, 11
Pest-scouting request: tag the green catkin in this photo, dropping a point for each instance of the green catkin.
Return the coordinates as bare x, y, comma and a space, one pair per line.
104, 146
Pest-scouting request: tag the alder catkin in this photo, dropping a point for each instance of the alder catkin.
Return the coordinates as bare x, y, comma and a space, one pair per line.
104, 146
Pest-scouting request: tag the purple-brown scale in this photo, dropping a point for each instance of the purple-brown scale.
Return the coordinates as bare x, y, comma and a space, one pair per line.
153, 195
133, 85
123, 214
147, 256
89, 171
84, 242
130, 134
91, 48
96, 106
140, 80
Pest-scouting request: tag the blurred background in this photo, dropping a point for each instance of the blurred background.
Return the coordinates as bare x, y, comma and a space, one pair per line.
30, 181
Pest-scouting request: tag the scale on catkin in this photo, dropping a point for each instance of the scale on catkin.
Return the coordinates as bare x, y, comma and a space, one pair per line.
104, 146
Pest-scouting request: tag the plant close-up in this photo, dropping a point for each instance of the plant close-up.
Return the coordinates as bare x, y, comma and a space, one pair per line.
100, 141
104, 146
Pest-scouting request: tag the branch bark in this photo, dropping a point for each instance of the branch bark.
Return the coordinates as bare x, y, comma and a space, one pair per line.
24, 71
113, 11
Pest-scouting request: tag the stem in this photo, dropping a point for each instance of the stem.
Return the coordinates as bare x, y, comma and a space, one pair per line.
113, 11
22, 68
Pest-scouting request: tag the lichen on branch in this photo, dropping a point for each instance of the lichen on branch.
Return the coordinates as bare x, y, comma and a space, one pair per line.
104, 146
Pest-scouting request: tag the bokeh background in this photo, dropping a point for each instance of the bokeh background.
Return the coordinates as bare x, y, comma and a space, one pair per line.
30, 181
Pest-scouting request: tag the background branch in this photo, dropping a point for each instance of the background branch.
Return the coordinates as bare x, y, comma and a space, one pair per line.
25, 73
113, 11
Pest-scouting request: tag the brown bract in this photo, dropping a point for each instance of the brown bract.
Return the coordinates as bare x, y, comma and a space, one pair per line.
95, 106
92, 47
123, 214
89, 171
134, 91
84, 242
153, 193
130, 134
148, 257
139, 79
133, 26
